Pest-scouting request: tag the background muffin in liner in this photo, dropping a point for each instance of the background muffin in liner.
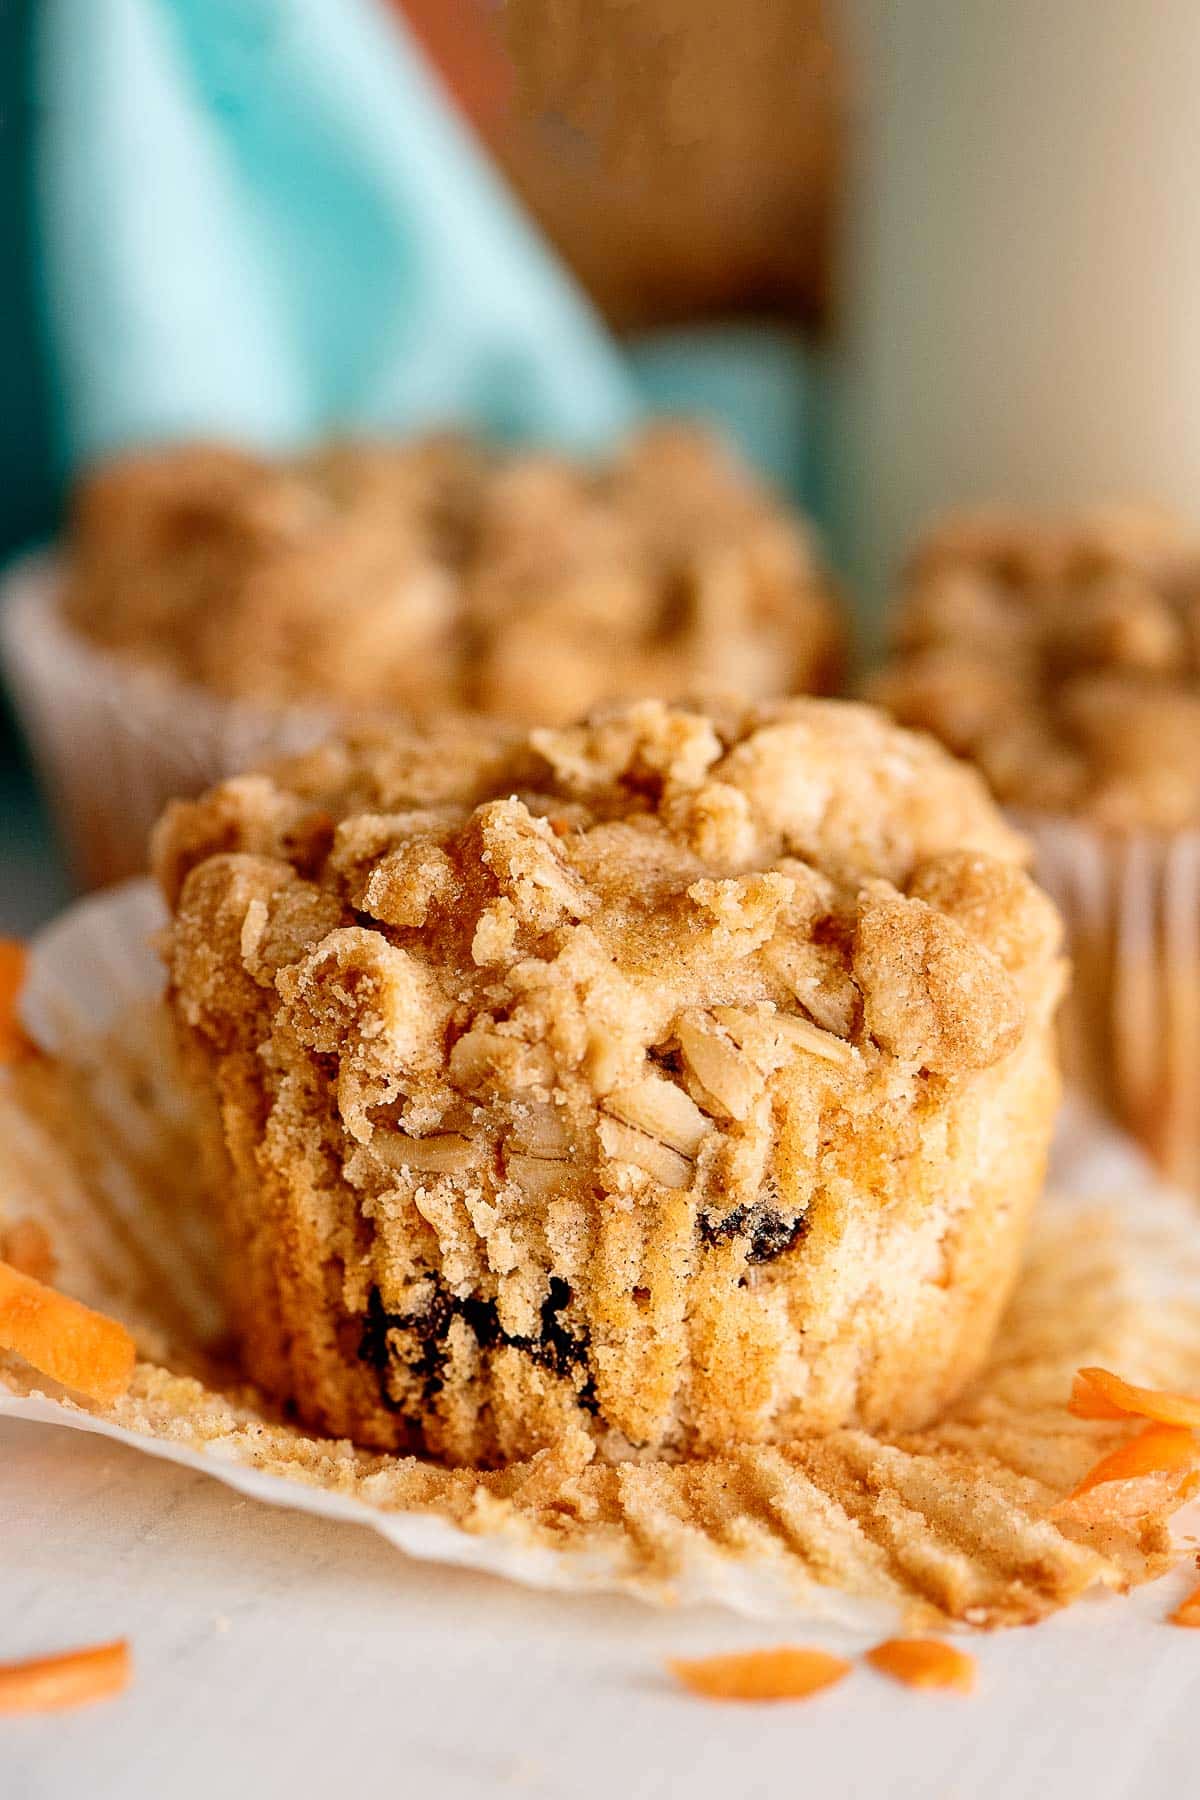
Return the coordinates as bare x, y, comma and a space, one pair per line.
1064, 660
215, 605
112, 743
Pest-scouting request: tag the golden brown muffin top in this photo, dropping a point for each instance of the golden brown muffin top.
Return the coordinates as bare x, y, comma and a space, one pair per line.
1063, 658
432, 575
786, 882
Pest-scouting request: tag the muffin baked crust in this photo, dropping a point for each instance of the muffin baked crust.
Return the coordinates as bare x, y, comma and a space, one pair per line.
431, 575
1061, 656
675, 1079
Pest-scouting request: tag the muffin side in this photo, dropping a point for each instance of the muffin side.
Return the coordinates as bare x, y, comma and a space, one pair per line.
672, 1079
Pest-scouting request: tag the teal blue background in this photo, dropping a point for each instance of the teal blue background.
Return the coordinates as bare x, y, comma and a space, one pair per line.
31, 882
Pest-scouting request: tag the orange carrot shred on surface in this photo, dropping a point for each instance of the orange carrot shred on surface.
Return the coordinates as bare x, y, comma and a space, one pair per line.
1099, 1394
76, 1677
27, 1246
1188, 1611
62, 1338
14, 960
786, 1673
924, 1663
1167, 1456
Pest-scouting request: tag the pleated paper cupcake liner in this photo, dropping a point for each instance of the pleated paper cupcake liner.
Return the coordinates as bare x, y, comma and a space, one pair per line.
111, 742
951, 1524
1131, 1023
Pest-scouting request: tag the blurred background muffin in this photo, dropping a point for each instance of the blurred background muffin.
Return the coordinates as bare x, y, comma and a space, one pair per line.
1063, 657
217, 604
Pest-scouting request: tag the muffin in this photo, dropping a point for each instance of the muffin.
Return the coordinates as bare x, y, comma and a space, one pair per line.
1064, 659
676, 1079
220, 606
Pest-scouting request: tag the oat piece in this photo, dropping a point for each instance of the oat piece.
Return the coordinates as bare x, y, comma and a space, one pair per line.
431, 575
683, 1080
1062, 657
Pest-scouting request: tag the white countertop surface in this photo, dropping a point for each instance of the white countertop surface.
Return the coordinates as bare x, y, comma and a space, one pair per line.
279, 1654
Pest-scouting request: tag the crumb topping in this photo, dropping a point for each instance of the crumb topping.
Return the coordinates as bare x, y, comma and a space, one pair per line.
1063, 658
431, 575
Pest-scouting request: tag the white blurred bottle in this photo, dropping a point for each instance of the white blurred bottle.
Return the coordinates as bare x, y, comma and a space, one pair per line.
1022, 263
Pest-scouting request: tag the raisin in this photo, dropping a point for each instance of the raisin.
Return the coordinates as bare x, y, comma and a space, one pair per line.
769, 1232
557, 1348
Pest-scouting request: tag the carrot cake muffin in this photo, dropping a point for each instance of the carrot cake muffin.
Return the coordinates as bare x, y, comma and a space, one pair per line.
430, 574
673, 1078
1063, 657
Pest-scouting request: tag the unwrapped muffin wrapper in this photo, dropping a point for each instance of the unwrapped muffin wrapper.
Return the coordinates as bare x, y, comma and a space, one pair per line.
949, 1524
112, 742
1131, 1021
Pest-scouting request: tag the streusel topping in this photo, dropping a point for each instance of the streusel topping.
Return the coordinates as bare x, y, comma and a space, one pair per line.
1062, 658
583, 889
432, 575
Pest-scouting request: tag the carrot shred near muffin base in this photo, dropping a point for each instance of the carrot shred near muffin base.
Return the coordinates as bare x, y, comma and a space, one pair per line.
1188, 1611
74, 1678
13, 962
84, 1350
1099, 1394
786, 1673
924, 1663
1161, 1460
27, 1247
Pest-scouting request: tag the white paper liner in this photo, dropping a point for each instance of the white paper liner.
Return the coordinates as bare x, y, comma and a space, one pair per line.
112, 743
1131, 1022
94, 969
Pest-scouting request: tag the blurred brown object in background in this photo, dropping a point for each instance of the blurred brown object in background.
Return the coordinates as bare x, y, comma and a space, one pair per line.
682, 155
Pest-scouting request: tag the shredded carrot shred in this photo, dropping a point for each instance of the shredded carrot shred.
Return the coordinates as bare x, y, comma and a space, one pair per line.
52, 1683
13, 962
1099, 1394
786, 1673
62, 1338
1160, 1453
924, 1663
26, 1245
1158, 1450
1188, 1611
